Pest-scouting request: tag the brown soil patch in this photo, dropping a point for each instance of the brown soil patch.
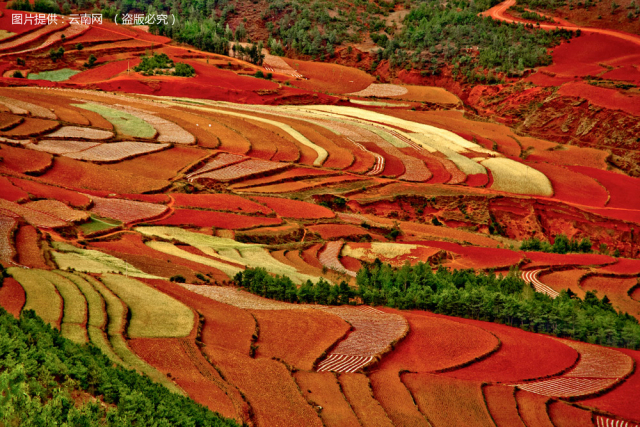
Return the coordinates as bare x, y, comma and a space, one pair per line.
12, 296
322, 389
28, 248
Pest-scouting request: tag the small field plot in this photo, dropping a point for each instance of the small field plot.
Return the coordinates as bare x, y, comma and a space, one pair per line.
54, 76
58, 210
573, 187
219, 202
42, 296
12, 296
126, 210
533, 409
28, 248
123, 122
358, 392
564, 415
288, 208
321, 388
395, 399
97, 224
33, 217
81, 132
447, 401
153, 313
619, 187
617, 289
7, 252
30, 127
43, 191
501, 403
229, 221
109, 153
566, 279
244, 170
514, 177
53, 146
10, 192
24, 161
18, 106
74, 318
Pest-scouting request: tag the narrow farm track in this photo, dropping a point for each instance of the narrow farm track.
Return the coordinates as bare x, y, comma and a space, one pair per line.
602, 421
531, 277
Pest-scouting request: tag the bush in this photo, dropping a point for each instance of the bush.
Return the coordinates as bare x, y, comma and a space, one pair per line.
20, 61
184, 70
91, 61
56, 54
79, 46
178, 279
259, 74
18, 75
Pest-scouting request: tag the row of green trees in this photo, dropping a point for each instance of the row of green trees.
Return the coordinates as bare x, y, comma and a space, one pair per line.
462, 293
561, 245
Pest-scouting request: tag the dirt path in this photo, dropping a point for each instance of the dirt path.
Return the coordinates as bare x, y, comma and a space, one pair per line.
499, 13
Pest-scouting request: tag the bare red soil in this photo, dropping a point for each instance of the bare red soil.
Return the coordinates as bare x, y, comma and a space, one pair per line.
288, 208
395, 399
563, 415
24, 161
435, 343
219, 202
28, 248
12, 296
522, 355
329, 77
543, 259
350, 263
335, 231
321, 388
573, 187
104, 72
216, 219
501, 404
357, 390
289, 175
39, 190
621, 214
618, 185
533, 409
297, 337
617, 290
623, 266
567, 279
475, 257
10, 192
608, 98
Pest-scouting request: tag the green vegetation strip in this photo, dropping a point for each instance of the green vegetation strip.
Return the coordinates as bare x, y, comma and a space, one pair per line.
46, 373
153, 313
42, 296
95, 303
464, 293
74, 308
54, 76
124, 123
171, 249
98, 224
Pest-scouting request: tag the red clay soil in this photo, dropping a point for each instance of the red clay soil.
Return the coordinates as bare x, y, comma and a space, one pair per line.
350, 263
627, 73
23, 161
292, 174
564, 415
322, 389
225, 220
297, 337
28, 249
304, 184
617, 290
393, 166
533, 409
543, 259
310, 256
225, 327
30, 127
435, 343
81, 175
197, 377
619, 186
475, 257
621, 214
149, 198
96, 34
43, 191
268, 387
262, 141
623, 399
570, 155
196, 251
573, 187
358, 392
288, 208
477, 180
336, 231
12, 296
161, 165
219, 202
502, 405
10, 192
522, 355
565, 279
623, 266
103, 72
440, 174
395, 399
603, 97
321, 77
131, 248
6, 21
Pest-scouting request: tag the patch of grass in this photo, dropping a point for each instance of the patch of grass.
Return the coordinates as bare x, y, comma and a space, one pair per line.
74, 308
124, 123
95, 303
54, 76
98, 224
41, 294
153, 313
4, 34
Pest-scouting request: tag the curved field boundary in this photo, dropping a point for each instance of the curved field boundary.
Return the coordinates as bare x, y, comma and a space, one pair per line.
380, 90
602, 421
531, 277
220, 161
59, 210
242, 170
502, 406
171, 249
378, 166
127, 211
344, 363
61, 147
167, 131
117, 151
322, 154
533, 409
396, 399
70, 32
42, 296
7, 228
123, 122
329, 258
357, 391
29, 38
82, 133
515, 177
17, 106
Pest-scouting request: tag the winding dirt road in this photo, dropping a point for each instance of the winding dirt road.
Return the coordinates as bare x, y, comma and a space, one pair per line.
498, 12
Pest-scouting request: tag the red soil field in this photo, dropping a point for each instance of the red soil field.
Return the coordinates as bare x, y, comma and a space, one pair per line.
623, 266
297, 337
436, 343
104, 71
198, 252
30, 127
131, 248
393, 166
225, 327
8, 119
573, 187
533, 409
608, 98
321, 388
301, 265
72, 173
290, 175
522, 355
351, 263
447, 401
358, 392
219, 202
264, 144
568, 279
288, 208
627, 73
543, 259
96, 34
216, 219
477, 180
161, 165
10, 192
29, 253
202, 382
149, 198
303, 185
618, 185
543, 79
335, 231
435, 165
38, 190
413, 231
501, 404
23, 161
268, 387
474, 257
310, 256
623, 399
6, 22
395, 399
12, 296
563, 415
569, 155
329, 77
617, 290
621, 214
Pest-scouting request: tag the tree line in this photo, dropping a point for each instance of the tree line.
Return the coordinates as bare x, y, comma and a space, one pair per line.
462, 293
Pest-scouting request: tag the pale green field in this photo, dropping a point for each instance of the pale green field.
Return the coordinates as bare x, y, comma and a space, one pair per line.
124, 123
54, 76
42, 296
74, 308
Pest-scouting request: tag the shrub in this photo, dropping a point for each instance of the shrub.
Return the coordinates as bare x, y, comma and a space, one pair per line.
178, 279
79, 46
184, 70
18, 75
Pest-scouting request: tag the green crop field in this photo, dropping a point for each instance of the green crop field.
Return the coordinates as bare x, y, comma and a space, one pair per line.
124, 123
42, 296
54, 76
97, 223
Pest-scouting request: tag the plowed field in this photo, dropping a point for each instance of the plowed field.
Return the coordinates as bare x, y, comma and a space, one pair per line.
216, 219
295, 209
219, 202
